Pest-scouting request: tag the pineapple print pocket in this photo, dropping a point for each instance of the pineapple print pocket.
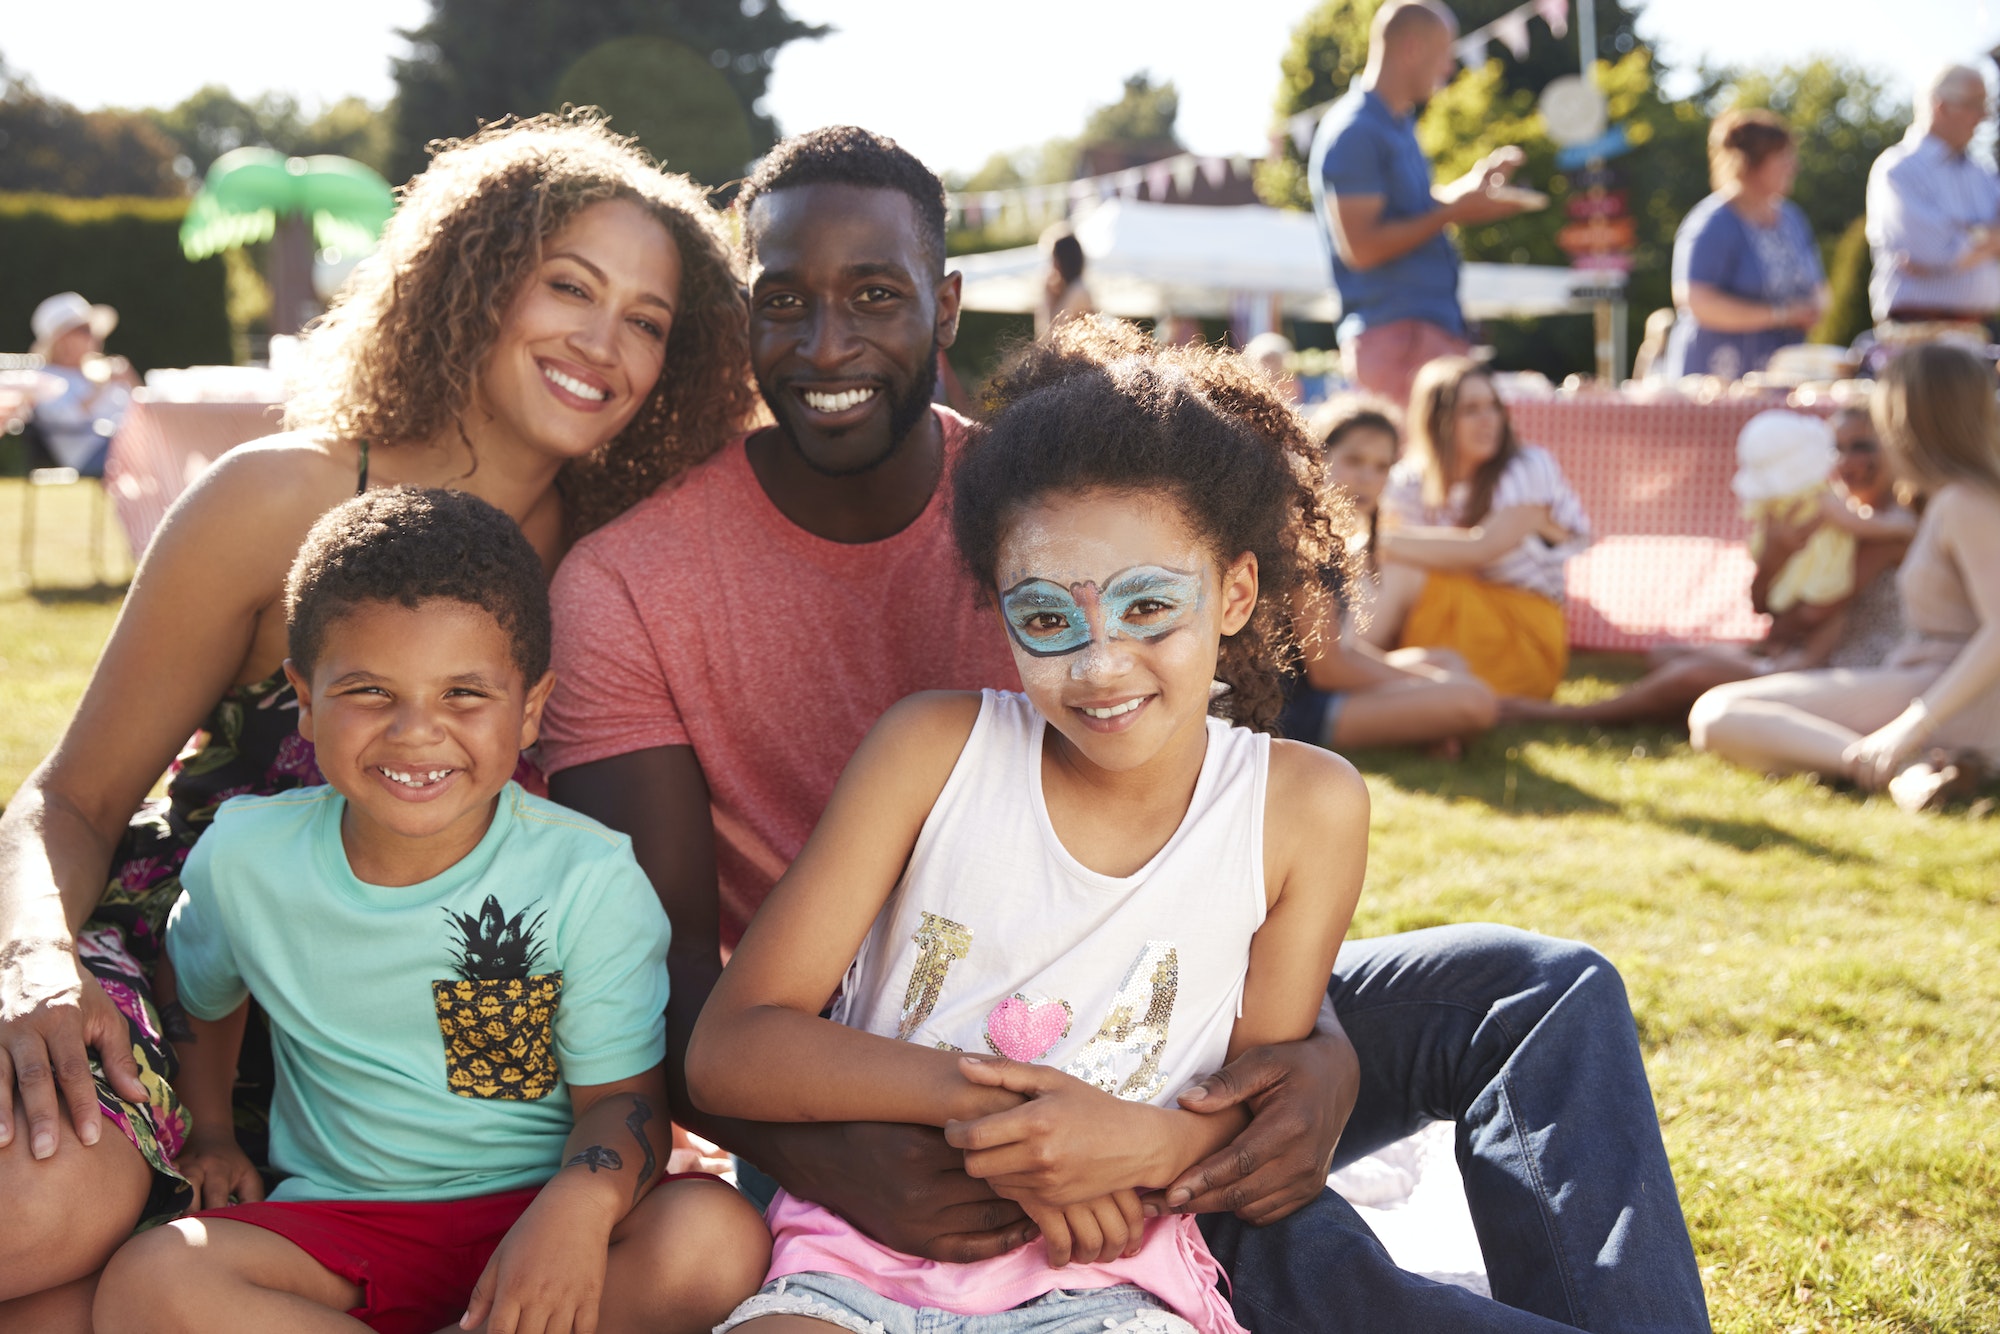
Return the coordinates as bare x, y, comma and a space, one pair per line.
498, 1016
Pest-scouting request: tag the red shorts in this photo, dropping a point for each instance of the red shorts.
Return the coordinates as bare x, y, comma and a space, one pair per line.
414, 1261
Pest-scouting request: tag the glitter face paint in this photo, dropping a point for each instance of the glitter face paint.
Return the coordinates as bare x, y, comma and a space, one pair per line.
1145, 603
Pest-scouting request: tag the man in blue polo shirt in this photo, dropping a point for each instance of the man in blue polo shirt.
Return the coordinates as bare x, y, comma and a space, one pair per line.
1395, 269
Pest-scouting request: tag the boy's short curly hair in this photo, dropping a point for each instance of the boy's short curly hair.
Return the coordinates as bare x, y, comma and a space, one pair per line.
850, 155
409, 546
1099, 406
395, 359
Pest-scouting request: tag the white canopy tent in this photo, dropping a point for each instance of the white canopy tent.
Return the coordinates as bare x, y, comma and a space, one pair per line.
1148, 261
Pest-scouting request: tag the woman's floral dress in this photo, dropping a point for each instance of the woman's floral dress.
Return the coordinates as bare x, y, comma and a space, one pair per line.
250, 744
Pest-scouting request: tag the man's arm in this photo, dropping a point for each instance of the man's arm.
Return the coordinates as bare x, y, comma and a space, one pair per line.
902, 1185
1903, 221
1365, 240
1300, 1095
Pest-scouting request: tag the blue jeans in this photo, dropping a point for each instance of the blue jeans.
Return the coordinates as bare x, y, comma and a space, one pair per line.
1527, 1043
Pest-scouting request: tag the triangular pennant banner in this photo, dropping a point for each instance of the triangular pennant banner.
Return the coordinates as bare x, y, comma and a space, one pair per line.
1511, 31
1184, 168
1215, 170
1159, 175
1472, 50
1556, 14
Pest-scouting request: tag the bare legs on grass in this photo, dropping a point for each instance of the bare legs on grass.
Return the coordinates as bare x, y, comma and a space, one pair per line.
679, 1263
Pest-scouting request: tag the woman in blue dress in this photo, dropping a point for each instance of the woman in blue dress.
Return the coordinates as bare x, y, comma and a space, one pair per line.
1747, 275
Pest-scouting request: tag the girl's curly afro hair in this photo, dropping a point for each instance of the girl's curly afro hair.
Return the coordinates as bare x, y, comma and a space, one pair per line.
394, 360
1100, 406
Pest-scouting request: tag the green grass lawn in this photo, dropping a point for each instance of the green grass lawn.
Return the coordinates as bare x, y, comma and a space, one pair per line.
1813, 971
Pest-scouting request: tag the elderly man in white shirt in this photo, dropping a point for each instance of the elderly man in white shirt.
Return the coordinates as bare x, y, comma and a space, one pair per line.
1934, 213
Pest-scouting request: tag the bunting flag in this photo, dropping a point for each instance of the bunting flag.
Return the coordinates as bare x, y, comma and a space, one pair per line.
1511, 31
1038, 205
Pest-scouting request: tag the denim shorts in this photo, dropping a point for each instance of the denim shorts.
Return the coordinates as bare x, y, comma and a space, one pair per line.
848, 1305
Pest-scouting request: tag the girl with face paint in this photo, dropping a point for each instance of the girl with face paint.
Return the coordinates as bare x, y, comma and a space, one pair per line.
1055, 911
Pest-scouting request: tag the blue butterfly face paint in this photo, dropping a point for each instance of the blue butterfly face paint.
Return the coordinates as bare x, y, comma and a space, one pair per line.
1145, 603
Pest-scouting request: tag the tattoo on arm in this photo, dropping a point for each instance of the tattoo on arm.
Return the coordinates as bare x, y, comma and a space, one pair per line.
641, 1113
597, 1156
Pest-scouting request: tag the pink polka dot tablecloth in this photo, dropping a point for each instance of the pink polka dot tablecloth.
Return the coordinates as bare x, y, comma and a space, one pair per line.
1669, 562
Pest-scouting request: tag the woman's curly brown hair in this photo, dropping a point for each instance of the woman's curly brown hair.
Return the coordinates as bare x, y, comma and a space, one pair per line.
1098, 405
394, 360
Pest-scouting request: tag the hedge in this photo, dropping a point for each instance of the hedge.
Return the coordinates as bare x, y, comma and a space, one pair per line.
124, 252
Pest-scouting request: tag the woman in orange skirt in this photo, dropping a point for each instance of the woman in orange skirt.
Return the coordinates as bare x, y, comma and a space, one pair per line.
1476, 530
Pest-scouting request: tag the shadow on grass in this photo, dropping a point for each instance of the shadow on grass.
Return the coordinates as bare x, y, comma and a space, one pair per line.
1492, 772
1497, 773
77, 594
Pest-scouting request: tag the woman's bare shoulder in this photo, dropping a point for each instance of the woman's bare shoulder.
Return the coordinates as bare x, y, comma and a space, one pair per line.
260, 497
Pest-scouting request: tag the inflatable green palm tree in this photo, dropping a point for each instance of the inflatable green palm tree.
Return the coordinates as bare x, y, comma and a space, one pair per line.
259, 194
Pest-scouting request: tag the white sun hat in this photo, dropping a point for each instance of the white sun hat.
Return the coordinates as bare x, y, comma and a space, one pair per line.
65, 311
1780, 453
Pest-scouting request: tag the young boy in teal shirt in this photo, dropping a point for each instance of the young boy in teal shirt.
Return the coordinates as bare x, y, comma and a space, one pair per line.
466, 987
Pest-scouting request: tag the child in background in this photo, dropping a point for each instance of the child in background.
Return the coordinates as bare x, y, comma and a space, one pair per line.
1056, 910
1478, 529
1353, 693
466, 988
1860, 629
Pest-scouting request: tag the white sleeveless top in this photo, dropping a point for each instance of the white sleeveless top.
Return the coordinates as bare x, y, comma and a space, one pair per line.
998, 940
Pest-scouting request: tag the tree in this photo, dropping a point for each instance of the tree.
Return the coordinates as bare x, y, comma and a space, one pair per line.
478, 60
212, 121
48, 146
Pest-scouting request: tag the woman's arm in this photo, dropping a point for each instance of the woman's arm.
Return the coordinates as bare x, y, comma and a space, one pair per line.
760, 1050
214, 569
1717, 310
1465, 548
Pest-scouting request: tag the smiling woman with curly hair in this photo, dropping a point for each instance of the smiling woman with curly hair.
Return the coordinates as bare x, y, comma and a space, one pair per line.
552, 324
398, 357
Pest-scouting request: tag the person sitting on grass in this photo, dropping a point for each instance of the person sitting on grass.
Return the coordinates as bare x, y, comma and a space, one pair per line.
551, 324
1857, 631
1477, 529
1353, 693
1926, 723
1066, 906
466, 987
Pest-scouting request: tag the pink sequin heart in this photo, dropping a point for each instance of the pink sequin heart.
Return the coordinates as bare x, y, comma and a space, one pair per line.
1022, 1031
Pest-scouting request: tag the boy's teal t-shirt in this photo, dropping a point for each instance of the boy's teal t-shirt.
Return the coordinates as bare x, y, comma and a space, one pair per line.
425, 1036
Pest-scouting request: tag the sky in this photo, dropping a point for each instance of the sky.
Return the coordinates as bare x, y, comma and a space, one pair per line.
938, 75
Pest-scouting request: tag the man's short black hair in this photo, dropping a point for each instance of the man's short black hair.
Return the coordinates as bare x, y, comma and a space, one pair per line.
410, 546
850, 155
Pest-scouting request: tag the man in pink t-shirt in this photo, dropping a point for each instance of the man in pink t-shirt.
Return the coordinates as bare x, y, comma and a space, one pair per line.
721, 650
706, 619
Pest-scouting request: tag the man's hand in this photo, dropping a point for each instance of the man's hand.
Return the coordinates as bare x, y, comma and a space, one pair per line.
217, 1168
1468, 200
1300, 1095
52, 1015
547, 1276
1070, 1142
905, 1187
